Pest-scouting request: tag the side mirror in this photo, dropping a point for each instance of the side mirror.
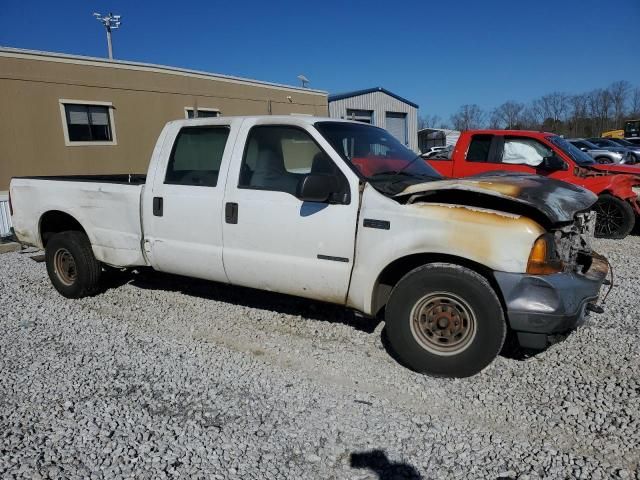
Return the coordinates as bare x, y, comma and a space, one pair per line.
553, 163
317, 188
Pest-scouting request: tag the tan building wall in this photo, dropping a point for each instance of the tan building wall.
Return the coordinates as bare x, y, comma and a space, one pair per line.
144, 98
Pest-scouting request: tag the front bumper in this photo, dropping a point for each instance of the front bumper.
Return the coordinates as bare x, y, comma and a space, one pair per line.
543, 305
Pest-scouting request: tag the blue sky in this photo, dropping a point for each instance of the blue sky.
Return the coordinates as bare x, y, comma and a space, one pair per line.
438, 54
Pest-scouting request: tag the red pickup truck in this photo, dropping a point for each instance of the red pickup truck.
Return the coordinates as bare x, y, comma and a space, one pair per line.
547, 154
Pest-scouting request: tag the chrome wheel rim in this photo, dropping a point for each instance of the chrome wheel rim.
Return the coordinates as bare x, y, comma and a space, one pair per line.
443, 323
65, 266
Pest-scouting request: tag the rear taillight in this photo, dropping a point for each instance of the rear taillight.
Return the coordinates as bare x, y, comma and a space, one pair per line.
10, 205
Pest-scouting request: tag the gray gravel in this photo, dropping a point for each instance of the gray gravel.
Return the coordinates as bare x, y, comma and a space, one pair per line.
163, 377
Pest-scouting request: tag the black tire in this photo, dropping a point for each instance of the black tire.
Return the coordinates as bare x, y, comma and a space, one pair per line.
459, 293
71, 265
603, 160
615, 217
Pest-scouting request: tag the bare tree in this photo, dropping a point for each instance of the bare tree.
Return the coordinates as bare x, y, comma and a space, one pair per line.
508, 114
619, 92
600, 106
529, 119
579, 115
468, 117
634, 107
428, 121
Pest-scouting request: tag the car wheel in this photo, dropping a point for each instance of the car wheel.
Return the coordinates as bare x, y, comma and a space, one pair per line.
445, 320
71, 265
614, 217
603, 160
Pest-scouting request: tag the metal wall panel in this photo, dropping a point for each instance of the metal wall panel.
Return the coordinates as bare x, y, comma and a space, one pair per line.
5, 217
380, 103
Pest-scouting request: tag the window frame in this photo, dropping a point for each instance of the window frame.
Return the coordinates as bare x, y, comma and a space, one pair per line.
343, 178
491, 154
175, 145
503, 141
88, 103
201, 109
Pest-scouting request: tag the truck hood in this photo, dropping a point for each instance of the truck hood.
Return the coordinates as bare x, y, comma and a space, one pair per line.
558, 201
616, 168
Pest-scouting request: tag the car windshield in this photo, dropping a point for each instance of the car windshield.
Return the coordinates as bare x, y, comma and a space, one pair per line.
623, 142
577, 155
377, 155
603, 142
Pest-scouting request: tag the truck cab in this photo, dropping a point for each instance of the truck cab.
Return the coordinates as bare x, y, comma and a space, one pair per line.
549, 155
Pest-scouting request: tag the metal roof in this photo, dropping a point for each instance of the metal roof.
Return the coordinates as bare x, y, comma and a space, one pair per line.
105, 62
357, 93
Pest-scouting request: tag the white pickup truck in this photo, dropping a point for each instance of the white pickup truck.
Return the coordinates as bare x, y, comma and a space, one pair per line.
336, 211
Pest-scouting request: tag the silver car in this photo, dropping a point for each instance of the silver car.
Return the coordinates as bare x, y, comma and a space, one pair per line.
634, 147
601, 155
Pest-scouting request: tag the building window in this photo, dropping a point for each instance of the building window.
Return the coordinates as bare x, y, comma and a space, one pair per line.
202, 112
87, 123
364, 116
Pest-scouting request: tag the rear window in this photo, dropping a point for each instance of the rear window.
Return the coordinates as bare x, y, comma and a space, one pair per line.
479, 148
196, 156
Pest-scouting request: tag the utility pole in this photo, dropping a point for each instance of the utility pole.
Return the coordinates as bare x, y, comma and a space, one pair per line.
110, 22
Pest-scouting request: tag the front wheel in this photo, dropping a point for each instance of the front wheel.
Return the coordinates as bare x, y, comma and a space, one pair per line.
603, 160
71, 265
614, 217
445, 320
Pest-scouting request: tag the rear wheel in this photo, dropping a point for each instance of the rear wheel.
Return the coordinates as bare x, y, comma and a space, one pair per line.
445, 320
615, 217
71, 265
603, 160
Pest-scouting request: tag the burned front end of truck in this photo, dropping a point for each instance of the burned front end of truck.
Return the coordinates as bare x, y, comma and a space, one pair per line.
563, 275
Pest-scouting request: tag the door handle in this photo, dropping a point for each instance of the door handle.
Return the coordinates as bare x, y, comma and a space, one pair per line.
157, 206
231, 213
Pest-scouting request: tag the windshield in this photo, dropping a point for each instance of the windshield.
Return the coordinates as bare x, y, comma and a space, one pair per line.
581, 158
623, 142
601, 142
377, 155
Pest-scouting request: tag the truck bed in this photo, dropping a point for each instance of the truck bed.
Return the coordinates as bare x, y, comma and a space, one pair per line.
107, 207
121, 178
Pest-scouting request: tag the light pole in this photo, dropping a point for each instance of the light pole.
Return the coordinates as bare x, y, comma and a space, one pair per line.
110, 22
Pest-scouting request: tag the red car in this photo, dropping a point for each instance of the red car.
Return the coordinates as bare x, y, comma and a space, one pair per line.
547, 154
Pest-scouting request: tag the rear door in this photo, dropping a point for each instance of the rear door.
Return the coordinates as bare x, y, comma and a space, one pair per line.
274, 241
487, 153
183, 219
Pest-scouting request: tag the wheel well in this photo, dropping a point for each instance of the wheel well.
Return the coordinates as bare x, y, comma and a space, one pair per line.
397, 269
56, 221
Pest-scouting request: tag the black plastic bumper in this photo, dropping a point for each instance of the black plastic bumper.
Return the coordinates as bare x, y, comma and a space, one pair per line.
543, 305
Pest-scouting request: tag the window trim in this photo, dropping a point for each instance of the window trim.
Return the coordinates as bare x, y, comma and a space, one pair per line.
90, 103
347, 185
175, 145
201, 109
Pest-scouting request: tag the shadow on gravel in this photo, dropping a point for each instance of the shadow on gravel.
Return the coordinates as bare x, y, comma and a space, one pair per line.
377, 462
275, 302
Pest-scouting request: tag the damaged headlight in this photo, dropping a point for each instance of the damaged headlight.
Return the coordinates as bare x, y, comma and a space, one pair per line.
543, 259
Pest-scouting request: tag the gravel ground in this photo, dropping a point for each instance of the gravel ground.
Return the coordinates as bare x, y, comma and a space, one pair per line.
162, 377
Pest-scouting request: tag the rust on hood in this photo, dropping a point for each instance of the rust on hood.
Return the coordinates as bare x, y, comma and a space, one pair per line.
556, 200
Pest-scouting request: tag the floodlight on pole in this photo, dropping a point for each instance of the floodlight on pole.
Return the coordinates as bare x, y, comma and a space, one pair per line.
304, 80
110, 22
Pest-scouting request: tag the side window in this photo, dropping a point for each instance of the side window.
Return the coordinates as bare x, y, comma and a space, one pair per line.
277, 158
524, 151
479, 148
196, 156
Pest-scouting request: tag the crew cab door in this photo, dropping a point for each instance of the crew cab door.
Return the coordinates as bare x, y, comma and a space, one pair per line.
183, 207
513, 153
275, 241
